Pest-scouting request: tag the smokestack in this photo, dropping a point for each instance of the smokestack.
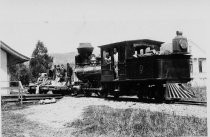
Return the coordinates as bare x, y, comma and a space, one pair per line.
85, 49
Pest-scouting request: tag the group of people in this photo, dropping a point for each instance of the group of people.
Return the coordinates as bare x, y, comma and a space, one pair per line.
107, 60
56, 74
147, 52
60, 74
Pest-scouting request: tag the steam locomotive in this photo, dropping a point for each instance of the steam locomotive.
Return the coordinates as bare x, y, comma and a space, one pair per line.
142, 68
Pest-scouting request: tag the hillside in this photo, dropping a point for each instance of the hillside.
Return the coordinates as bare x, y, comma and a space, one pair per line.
63, 58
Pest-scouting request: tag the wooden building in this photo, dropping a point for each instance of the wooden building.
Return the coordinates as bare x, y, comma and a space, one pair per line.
8, 56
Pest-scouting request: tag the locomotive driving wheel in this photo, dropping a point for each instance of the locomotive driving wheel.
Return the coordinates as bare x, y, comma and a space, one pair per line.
86, 87
87, 93
117, 90
116, 95
142, 92
159, 93
104, 92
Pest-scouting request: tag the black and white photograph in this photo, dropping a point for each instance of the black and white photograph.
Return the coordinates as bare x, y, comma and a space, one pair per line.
104, 68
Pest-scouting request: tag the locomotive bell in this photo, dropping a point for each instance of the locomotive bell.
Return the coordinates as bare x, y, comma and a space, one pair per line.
85, 49
179, 43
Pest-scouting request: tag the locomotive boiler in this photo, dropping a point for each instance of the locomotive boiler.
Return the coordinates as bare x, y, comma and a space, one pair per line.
136, 67
87, 70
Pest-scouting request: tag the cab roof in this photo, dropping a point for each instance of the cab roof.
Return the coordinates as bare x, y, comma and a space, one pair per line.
140, 42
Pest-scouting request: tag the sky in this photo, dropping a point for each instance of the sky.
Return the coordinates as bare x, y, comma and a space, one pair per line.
62, 24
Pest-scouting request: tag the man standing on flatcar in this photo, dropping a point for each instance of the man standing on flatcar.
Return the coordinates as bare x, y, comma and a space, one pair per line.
63, 73
116, 63
54, 72
69, 74
50, 73
58, 73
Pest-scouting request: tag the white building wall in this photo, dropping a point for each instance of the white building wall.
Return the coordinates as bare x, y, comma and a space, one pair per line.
199, 78
4, 75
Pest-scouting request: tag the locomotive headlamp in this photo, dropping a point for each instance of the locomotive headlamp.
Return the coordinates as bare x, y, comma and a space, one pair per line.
183, 43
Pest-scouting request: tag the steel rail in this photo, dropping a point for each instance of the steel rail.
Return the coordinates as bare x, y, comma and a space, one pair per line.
198, 103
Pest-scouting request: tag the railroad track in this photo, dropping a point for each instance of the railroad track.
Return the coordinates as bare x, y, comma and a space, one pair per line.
198, 103
37, 97
135, 99
30, 97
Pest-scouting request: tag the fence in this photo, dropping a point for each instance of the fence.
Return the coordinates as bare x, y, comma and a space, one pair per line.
12, 87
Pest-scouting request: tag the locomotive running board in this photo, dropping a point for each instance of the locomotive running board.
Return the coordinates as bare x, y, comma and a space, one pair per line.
178, 91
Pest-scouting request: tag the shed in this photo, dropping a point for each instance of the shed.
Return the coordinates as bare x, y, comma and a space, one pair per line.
8, 56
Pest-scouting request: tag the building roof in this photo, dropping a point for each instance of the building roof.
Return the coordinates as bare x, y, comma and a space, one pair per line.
196, 50
13, 56
130, 42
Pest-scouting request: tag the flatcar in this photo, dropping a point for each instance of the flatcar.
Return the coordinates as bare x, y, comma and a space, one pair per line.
136, 67
50, 85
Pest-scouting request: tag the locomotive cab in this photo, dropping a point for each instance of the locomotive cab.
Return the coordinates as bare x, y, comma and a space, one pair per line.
126, 54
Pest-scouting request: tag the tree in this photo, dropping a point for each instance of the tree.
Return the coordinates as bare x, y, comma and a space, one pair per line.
20, 72
40, 61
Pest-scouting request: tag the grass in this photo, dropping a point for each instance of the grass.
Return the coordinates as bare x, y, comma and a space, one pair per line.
12, 125
12, 106
105, 121
201, 93
17, 125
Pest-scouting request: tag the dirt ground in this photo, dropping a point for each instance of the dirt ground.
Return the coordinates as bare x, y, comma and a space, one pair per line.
67, 109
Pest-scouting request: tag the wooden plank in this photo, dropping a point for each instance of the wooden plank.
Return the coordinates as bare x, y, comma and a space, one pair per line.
10, 100
42, 95
5, 97
35, 97
41, 98
10, 88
